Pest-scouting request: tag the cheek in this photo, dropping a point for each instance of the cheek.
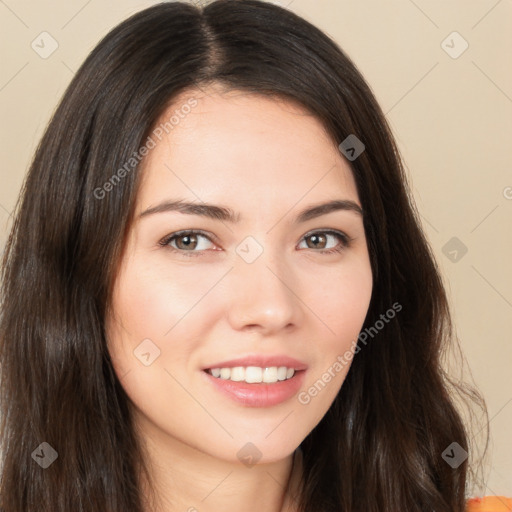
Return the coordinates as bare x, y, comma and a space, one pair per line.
342, 305
151, 340
152, 299
164, 304
343, 302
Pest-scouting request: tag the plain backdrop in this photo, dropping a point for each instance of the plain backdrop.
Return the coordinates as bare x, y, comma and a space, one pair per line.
441, 72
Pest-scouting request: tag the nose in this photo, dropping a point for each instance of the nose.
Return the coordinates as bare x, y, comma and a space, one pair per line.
265, 295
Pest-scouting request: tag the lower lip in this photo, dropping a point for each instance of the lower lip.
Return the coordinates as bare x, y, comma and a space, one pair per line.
259, 394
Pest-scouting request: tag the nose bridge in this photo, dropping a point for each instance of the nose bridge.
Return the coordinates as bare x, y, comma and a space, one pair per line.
262, 286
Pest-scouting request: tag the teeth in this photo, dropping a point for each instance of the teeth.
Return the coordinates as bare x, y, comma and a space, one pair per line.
237, 373
270, 374
253, 374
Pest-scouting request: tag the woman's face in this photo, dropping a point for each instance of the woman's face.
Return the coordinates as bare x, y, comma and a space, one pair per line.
257, 286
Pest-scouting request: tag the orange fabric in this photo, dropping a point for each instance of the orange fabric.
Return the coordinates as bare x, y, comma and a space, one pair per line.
489, 504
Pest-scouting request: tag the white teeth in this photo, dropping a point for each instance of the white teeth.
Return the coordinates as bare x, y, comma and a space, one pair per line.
270, 374
253, 374
237, 373
281, 373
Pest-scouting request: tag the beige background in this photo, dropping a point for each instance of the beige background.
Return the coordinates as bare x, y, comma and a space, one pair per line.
451, 116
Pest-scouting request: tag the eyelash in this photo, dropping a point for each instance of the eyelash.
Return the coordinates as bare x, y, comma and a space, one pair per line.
345, 241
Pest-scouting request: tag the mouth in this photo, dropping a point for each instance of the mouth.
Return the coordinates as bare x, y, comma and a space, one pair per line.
255, 386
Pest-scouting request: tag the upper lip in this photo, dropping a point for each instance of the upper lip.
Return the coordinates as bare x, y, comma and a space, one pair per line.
262, 361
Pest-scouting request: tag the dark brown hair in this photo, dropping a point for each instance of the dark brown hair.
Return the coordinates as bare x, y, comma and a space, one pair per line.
380, 445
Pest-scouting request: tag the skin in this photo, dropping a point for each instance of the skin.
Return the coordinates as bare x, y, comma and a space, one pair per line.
266, 160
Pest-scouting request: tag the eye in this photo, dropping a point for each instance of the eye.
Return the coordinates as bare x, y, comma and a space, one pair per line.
186, 242
320, 238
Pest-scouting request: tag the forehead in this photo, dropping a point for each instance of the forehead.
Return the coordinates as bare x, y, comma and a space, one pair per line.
242, 148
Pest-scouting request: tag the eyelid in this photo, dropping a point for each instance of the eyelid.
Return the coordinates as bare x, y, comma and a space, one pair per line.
329, 231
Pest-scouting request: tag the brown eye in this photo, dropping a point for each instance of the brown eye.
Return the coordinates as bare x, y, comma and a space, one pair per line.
184, 242
317, 241
320, 239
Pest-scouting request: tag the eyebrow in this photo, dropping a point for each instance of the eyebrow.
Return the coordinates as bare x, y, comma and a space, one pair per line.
228, 215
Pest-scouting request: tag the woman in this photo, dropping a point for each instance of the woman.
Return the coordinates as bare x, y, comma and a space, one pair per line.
217, 295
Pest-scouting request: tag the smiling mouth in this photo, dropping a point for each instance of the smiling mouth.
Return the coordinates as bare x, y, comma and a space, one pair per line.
254, 386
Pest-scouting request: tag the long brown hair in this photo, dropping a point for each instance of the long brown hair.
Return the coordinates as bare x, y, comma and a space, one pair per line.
380, 445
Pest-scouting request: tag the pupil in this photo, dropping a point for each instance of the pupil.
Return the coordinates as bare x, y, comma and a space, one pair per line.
316, 238
187, 240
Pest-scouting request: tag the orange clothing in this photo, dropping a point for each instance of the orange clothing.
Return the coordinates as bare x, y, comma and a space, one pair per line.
489, 504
